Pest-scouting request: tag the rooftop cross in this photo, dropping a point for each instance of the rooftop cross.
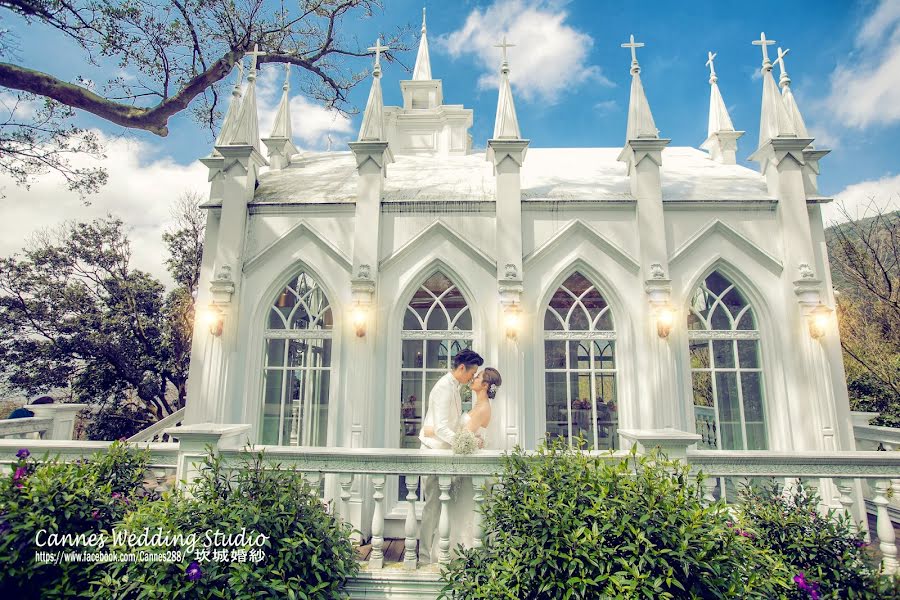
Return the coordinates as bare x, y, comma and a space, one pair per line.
254, 54
377, 49
709, 63
780, 61
762, 41
423, 19
632, 44
287, 76
237, 84
504, 45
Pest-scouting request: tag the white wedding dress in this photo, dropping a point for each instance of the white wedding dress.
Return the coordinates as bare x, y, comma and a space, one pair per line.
461, 507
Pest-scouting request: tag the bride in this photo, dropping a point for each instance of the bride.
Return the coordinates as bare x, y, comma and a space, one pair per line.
477, 420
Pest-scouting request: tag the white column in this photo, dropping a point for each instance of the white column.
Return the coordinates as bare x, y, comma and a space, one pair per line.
63, 416
409, 553
444, 520
376, 558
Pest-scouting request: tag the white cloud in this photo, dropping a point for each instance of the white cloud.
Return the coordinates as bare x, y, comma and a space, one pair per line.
859, 199
549, 59
140, 192
311, 123
865, 90
605, 107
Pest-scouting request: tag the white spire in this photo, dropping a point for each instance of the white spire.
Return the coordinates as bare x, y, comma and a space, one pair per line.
788, 97
234, 107
422, 70
774, 118
246, 127
640, 119
282, 127
506, 123
372, 128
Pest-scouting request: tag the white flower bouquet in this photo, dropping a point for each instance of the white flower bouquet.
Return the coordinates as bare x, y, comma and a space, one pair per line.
465, 442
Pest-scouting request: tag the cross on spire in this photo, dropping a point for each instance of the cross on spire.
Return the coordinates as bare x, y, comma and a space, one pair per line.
423, 19
504, 45
709, 63
240, 65
780, 60
254, 54
762, 41
632, 44
378, 49
287, 76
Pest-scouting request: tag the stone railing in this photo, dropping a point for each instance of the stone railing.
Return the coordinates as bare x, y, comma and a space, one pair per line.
886, 439
50, 422
157, 432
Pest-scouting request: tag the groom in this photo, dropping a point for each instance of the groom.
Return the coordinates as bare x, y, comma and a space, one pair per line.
438, 430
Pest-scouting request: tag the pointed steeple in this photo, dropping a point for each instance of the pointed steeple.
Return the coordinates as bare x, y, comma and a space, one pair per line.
774, 121
246, 128
506, 123
234, 107
422, 70
281, 147
640, 119
721, 138
788, 97
372, 129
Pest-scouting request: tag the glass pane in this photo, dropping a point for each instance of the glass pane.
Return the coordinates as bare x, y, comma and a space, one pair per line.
729, 411
411, 320
577, 284
748, 321
454, 302
557, 400
699, 350
562, 301
421, 302
705, 423
271, 406
604, 355
297, 350
293, 409
720, 319
412, 353
723, 354
277, 318
436, 354
317, 428
695, 322
700, 300
275, 353
326, 321
437, 320
555, 354
605, 322
578, 319
607, 411
754, 413
464, 320
579, 354
716, 283
734, 301
300, 318
748, 354
702, 386
594, 303
437, 283
582, 417
318, 353
411, 404
552, 321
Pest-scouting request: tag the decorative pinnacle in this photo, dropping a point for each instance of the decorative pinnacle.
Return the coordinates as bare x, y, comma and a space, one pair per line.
254, 54
635, 68
784, 80
377, 49
762, 41
504, 45
712, 67
423, 19
236, 91
287, 77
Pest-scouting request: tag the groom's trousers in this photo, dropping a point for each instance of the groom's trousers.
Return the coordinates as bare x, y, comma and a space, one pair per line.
431, 513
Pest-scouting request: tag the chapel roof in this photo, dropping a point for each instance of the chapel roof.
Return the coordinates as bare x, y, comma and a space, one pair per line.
553, 174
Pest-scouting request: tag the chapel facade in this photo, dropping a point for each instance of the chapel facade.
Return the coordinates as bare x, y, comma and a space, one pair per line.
640, 288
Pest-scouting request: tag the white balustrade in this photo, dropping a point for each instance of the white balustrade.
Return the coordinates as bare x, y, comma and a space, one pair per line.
409, 543
885, 529
444, 482
376, 558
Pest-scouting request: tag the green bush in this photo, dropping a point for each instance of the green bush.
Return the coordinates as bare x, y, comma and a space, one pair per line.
307, 553
828, 559
86, 496
569, 525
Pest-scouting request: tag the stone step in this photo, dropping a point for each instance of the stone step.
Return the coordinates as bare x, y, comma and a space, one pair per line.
393, 582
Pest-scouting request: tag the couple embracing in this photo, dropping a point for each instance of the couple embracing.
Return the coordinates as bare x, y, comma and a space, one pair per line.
442, 421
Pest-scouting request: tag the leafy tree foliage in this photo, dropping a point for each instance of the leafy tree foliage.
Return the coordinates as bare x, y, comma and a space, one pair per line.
74, 312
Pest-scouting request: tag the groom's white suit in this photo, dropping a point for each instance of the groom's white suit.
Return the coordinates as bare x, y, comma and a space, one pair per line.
444, 409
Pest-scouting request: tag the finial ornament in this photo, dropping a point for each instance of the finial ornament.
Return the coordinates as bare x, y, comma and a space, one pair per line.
784, 79
287, 77
254, 54
504, 45
378, 49
762, 41
712, 67
635, 68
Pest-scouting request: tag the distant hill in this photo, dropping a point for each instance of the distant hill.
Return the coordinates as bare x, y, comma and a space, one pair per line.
839, 283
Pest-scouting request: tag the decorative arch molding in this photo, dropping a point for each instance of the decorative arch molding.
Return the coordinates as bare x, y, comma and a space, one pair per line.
578, 227
603, 285
301, 229
438, 231
717, 227
745, 285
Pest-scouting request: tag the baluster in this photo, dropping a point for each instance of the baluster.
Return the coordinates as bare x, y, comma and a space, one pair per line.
845, 498
409, 554
886, 536
709, 488
478, 485
895, 499
346, 481
376, 557
313, 478
444, 520
811, 487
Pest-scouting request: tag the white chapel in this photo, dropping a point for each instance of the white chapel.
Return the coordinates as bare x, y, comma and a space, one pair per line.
641, 287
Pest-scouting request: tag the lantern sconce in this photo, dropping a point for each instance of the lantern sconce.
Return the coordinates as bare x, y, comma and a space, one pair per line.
214, 318
665, 318
512, 321
818, 321
360, 316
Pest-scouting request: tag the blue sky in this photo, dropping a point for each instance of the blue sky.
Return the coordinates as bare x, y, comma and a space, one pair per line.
570, 81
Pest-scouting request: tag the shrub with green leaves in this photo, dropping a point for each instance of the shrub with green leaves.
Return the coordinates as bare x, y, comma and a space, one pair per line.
565, 524
85, 496
307, 554
827, 557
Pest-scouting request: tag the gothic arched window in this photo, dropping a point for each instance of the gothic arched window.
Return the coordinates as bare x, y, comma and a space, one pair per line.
437, 324
580, 365
298, 335
726, 371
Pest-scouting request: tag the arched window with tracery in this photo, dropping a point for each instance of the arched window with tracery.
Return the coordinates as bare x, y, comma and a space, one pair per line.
437, 324
726, 370
580, 365
299, 329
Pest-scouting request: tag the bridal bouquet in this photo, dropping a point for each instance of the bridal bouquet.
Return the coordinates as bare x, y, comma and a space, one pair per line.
465, 442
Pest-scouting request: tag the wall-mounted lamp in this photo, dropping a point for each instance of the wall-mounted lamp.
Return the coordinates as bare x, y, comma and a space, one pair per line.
818, 321
213, 318
360, 314
512, 320
665, 318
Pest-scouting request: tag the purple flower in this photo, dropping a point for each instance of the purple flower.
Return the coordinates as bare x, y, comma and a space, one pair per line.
193, 571
23, 453
810, 587
94, 514
745, 534
116, 495
20, 473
